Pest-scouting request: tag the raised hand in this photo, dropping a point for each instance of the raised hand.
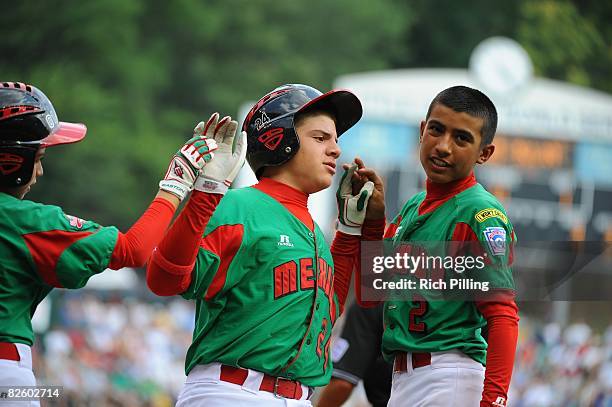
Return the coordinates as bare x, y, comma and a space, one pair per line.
187, 162
229, 156
352, 206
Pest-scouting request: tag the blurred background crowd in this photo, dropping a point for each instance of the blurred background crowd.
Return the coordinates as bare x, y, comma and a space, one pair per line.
558, 365
109, 350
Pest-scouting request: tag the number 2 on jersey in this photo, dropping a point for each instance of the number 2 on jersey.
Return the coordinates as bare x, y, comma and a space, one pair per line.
416, 313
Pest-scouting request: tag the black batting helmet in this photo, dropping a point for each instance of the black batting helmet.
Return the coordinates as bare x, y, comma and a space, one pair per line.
270, 124
28, 122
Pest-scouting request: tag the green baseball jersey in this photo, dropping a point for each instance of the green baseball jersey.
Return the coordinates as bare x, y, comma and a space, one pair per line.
42, 248
427, 324
263, 285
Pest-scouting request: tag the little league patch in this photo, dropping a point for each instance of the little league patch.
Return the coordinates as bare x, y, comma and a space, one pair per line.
496, 240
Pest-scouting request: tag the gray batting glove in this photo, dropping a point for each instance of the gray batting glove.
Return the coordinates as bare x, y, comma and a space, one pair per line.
186, 165
352, 208
230, 155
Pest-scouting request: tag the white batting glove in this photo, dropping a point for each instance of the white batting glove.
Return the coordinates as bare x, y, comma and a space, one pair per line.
219, 174
352, 208
186, 165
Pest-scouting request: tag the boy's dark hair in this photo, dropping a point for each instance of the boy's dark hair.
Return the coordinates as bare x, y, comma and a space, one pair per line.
470, 101
300, 117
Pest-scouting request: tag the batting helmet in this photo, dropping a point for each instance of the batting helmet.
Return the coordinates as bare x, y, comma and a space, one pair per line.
270, 124
28, 122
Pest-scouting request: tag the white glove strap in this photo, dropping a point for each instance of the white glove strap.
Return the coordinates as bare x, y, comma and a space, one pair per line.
210, 186
349, 230
174, 187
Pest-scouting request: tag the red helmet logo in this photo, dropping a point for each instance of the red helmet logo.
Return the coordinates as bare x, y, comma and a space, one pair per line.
272, 138
9, 163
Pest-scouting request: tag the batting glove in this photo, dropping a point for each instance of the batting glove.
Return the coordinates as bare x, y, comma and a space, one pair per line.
352, 208
187, 163
219, 174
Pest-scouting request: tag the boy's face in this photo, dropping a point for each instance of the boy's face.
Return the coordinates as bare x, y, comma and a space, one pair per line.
313, 166
451, 144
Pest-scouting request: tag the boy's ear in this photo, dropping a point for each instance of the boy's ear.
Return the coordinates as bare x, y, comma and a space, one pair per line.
422, 129
485, 153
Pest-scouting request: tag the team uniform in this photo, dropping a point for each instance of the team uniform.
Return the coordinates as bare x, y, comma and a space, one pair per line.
263, 285
261, 273
438, 348
278, 266
357, 354
41, 248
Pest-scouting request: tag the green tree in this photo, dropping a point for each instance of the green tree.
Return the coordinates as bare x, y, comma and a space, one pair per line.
445, 31
562, 42
569, 41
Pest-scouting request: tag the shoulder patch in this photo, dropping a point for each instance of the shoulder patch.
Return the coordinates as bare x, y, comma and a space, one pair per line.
75, 222
488, 213
496, 240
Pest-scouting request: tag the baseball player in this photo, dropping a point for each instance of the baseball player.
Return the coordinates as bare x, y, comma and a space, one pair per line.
438, 347
267, 287
357, 356
42, 247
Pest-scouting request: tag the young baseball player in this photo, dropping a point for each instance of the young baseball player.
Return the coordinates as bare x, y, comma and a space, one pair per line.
438, 347
267, 287
42, 247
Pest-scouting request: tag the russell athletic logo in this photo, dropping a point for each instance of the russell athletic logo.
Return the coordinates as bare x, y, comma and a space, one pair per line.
284, 241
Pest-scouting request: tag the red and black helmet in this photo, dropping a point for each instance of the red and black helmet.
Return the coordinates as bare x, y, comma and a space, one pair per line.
270, 124
28, 122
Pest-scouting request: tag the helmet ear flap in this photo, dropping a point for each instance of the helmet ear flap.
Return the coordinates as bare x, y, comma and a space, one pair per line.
16, 165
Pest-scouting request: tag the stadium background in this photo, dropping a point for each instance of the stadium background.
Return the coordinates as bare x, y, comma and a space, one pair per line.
141, 74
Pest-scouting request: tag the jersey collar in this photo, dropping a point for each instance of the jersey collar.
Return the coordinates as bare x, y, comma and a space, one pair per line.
437, 194
282, 192
293, 200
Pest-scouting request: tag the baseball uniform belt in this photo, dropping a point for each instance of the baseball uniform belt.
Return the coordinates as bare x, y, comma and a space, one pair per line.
418, 359
277, 385
8, 351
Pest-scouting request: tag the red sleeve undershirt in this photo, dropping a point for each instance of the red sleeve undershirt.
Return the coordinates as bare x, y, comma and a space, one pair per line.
134, 247
501, 313
372, 230
502, 318
344, 249
169, 271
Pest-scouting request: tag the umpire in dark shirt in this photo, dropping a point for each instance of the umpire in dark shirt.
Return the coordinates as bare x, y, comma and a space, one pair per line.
357, 356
